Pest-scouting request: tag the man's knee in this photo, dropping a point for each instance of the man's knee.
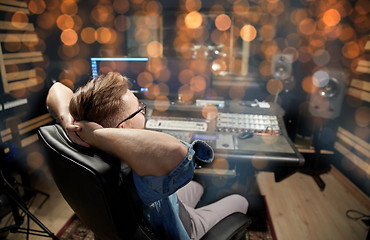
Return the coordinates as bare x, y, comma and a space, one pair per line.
240, 202
198, 187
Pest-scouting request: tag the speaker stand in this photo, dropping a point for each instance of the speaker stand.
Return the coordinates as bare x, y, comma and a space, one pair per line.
314, 170
16, 203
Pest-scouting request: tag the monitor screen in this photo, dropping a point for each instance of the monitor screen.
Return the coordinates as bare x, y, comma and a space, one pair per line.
129, 67
175, 78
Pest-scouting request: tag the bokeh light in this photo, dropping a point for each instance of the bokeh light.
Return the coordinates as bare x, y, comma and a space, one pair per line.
121, 6
36, 6
102, 14
161, 103
248, 33
193, 5
308, 85
198, 84
153, 8
218, 66
193, 20
321, 57
348, 33
240, 7
362, 132
88, 35
69, 7
104, 35
220, 165
305, 54
163, 75
223, 22
185, 76
259, 161
275, 8
122, 23
209, 112
46, 20
331, 17
362, 116
19, 20
65, 21
297, 15
267, 32
351, 50
236, 93
307, 26
274, 86
69, 37
320, 78
154, 49
185, 93
145, 79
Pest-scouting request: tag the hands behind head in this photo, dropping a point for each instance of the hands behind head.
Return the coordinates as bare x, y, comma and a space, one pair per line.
72, 129
86, 131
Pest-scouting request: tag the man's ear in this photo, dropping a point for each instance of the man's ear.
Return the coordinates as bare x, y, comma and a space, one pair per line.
122, 125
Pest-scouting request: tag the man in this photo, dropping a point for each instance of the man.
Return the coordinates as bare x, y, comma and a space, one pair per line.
162, 165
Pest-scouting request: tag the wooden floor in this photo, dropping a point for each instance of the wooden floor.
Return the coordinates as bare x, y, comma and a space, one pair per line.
298, 209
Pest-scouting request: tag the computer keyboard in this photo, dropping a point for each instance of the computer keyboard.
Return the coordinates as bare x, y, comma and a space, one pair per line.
181, 125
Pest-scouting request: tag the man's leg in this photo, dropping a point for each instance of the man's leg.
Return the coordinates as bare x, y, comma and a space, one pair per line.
204, 218
190, 194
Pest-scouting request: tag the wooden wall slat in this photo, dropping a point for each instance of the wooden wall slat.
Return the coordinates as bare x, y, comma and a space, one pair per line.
23, 60
22, 55
360, 84
5, 25
21, 75
16, 37
22, 84
5, 8
14, 3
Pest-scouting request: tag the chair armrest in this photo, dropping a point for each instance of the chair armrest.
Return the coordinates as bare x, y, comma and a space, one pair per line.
229, 227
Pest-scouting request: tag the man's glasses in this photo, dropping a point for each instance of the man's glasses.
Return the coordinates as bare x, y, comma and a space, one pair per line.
142, 109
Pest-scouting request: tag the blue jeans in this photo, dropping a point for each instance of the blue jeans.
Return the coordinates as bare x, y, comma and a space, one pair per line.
158, 193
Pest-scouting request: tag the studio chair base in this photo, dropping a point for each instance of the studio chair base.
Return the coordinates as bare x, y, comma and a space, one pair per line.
100, 190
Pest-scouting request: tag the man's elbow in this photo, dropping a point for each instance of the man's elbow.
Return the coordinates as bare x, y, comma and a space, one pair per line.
174, 157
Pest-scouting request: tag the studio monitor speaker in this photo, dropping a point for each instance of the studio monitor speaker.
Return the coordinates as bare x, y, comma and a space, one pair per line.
282, 66
326, 101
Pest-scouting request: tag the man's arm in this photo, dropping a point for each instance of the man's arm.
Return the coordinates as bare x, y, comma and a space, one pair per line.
148, 153
57, 101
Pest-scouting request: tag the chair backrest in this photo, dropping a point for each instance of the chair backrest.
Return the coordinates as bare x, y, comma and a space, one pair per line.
98, 187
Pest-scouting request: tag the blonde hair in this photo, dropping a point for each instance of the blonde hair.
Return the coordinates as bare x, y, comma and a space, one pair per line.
100, 100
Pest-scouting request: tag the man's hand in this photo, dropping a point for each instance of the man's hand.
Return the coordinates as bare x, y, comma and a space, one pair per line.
72, 129
86, 131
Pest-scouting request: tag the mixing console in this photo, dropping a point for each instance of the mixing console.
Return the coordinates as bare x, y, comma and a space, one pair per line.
257, 123
243, 137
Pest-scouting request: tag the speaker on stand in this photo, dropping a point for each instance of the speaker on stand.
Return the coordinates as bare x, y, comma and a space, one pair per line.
323, 108
282, 70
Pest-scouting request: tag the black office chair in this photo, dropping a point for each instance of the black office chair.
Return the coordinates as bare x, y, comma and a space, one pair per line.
100, 190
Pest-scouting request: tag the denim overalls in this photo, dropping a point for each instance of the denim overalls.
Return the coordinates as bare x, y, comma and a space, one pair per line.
158, 193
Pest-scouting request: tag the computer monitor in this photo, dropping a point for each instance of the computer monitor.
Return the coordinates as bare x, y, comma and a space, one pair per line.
178, 79
129, 67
